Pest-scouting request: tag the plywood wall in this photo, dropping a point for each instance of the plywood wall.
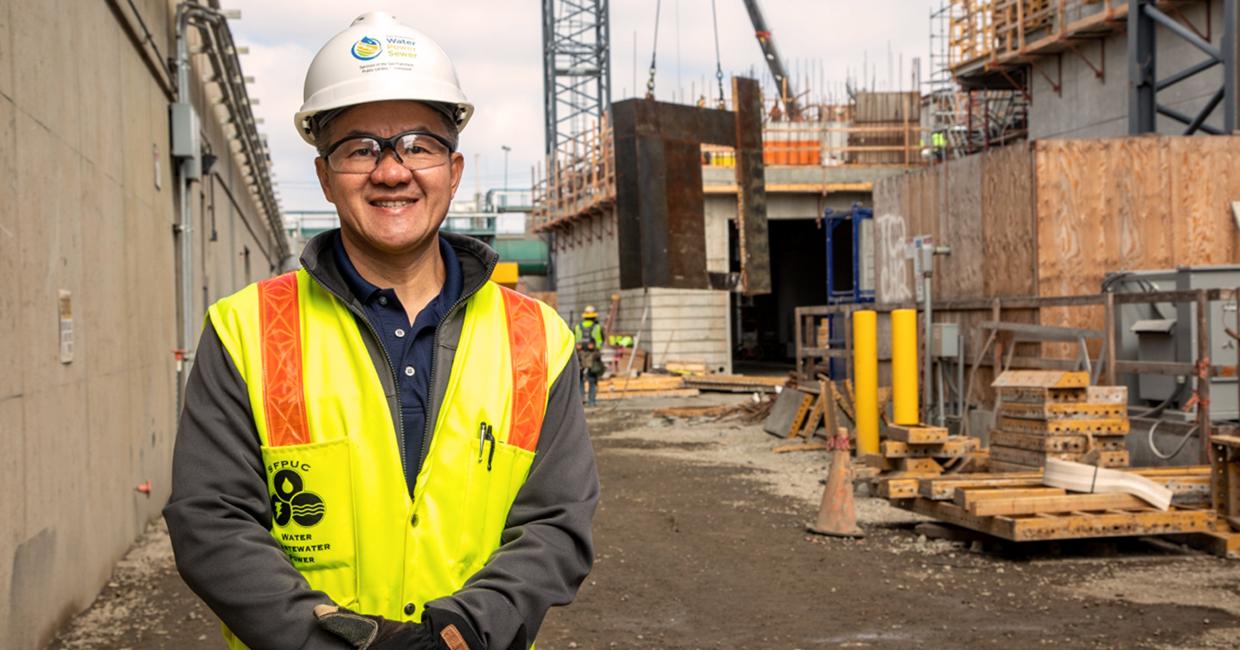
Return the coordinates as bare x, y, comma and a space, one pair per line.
981, 206
1120, 204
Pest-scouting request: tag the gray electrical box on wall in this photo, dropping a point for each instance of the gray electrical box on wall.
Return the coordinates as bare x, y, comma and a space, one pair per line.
186, 141
945, 340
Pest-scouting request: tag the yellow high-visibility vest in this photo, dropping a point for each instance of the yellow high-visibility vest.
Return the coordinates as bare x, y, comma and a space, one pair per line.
341, 508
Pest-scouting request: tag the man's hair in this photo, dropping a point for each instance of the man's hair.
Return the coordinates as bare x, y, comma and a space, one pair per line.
446, 112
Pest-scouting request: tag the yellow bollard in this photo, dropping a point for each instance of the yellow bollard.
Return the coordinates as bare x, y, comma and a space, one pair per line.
904, 366
865, 380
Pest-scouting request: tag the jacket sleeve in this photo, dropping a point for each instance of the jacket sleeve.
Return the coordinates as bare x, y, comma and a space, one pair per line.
547, 548
219, 517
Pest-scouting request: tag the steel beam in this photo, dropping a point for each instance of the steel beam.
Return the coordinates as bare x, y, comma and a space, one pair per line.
1142, 95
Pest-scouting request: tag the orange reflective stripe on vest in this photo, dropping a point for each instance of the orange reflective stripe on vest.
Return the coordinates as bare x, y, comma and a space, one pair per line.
527, 341
284, 398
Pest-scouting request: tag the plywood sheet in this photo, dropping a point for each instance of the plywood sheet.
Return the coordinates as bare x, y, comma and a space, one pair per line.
960, 224
1009, 233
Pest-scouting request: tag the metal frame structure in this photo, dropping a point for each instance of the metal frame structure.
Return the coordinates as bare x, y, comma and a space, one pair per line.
576, 72
1143, 19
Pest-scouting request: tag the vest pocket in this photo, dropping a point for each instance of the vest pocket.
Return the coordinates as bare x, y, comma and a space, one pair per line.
310, 488
493, 486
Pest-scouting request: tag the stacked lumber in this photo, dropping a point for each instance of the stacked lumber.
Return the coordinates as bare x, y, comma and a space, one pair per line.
924, 450
643, 386
735, 383
1057, 414
1017, 506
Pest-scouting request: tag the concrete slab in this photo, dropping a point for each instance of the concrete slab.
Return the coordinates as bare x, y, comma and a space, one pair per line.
12, 505
47, 566
113, 431
97, 61
49, 218
10, 282
782, 412
6, 52
103, 324
46, 76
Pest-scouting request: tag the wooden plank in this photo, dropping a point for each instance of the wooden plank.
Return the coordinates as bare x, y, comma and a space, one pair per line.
798, 419
1030, 458
919, 466
1005, 466
1124, 524
1039, 442
1042, 395
1057, 503
1062, 411
966, 497
634, 394
1042, 379
1095, 426
917, 434
1106, 395
955, 447
959, 218
801, 446
897, 488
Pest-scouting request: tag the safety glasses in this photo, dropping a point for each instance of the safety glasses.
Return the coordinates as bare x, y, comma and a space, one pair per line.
360, 154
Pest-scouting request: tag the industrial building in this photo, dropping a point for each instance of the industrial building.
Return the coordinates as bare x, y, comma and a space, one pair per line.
111, 247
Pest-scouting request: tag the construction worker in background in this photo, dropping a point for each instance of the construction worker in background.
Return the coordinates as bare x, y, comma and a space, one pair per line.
589, 336
383, 449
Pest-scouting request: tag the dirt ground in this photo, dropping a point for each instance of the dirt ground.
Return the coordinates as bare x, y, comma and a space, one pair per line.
701, 544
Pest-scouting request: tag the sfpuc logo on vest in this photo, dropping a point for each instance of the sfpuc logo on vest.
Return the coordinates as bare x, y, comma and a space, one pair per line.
290, 500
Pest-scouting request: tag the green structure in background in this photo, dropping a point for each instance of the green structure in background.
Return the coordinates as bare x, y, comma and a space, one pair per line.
531, 255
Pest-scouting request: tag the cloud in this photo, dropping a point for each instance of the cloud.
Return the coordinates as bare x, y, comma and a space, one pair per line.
496, 46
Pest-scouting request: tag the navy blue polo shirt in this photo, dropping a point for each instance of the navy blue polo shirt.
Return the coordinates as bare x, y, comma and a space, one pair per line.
409, 345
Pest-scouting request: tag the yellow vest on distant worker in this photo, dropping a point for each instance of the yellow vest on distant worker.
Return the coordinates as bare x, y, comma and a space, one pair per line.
341, 509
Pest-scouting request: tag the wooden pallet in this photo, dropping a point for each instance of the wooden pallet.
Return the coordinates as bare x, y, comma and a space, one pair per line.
1078, 395
1042, 379
1075, 524
1188, 484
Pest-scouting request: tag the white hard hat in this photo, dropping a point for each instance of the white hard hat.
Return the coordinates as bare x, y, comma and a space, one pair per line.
378, 59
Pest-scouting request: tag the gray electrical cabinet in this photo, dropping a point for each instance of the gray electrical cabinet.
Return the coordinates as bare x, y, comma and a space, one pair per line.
1167, 332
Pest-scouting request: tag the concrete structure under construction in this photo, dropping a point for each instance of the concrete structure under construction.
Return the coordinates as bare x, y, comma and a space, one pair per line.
91, 303
718, 326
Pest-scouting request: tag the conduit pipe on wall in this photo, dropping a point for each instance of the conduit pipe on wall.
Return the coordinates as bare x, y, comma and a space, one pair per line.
222, 52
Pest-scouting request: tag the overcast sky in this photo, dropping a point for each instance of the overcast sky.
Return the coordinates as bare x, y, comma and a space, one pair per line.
497, 48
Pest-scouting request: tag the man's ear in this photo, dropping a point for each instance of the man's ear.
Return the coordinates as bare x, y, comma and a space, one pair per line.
458, 170
320, 168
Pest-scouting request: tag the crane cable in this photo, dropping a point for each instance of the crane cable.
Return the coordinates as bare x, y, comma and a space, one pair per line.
718, 64
658, 6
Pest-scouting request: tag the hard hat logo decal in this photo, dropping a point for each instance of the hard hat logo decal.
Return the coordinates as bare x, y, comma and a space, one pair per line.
367, 48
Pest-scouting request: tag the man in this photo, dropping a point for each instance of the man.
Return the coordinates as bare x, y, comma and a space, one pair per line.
589, 336
384, 449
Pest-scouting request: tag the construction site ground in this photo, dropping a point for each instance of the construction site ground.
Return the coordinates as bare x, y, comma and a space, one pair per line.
701, 543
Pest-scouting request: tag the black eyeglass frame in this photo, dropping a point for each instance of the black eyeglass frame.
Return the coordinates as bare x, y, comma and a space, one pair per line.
386, 144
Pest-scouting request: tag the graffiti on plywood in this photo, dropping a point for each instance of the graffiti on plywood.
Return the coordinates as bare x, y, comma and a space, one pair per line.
892, 259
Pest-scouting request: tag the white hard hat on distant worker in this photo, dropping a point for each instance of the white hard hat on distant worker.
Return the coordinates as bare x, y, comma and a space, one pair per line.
378, 59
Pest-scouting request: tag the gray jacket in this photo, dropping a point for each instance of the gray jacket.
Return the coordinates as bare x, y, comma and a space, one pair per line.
219, 515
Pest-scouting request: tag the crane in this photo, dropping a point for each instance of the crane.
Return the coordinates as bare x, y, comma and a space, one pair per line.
767, 43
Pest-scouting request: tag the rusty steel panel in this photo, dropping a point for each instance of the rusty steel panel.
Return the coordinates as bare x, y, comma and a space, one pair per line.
751, 226
659, 198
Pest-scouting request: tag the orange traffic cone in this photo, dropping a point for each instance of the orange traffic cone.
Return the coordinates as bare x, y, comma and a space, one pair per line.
837, 516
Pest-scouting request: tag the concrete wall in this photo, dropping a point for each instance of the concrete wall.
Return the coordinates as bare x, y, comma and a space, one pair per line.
1089, 107
87, 205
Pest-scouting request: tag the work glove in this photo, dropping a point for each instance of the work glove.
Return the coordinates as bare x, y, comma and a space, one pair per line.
439, 630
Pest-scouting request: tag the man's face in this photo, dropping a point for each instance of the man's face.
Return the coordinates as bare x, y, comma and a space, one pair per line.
392, 210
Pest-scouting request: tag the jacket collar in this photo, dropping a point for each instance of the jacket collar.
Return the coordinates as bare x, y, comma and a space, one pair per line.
477, 263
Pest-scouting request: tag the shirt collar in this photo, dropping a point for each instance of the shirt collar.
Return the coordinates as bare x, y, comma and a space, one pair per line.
366, 292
